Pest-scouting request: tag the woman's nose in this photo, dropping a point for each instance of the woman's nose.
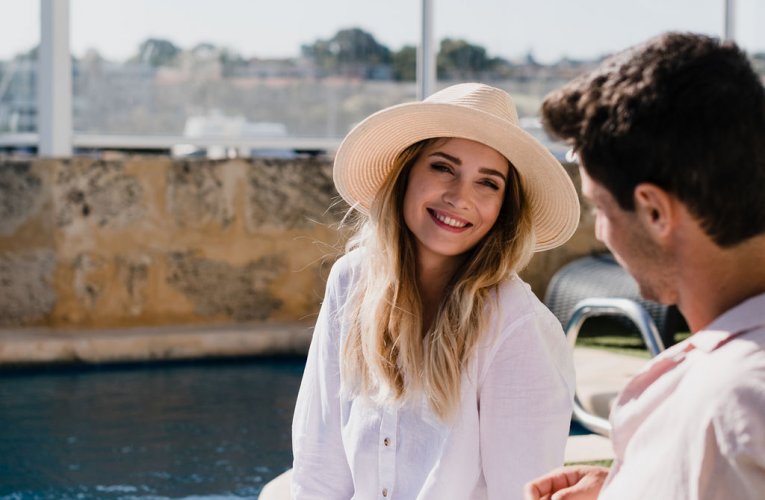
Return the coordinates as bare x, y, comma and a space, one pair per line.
456, 194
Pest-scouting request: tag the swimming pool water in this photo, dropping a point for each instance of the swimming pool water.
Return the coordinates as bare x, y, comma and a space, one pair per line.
202, 430
198, 430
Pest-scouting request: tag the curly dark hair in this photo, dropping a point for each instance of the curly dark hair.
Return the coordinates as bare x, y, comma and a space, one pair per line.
683, 111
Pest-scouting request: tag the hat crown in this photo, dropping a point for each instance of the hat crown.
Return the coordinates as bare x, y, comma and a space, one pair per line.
479, 97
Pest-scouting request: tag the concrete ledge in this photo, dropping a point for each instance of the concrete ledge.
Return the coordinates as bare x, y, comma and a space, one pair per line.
33, 346
600, 375
588, 448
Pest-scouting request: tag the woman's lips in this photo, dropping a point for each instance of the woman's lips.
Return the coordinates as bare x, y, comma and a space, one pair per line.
448, 222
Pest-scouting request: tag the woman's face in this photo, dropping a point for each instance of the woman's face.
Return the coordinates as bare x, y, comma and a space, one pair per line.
453, 198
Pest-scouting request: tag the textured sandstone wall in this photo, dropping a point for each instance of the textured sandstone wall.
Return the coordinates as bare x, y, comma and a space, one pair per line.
154, 241
149, 241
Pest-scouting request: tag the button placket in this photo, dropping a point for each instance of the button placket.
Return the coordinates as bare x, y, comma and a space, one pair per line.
387, 452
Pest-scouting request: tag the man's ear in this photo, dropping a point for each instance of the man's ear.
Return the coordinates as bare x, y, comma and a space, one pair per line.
655, 209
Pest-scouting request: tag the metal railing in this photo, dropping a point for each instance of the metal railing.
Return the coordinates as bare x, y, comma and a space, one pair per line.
594, 307
106, 141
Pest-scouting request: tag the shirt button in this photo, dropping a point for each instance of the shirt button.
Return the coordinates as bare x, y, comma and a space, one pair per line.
386, 441
385, 492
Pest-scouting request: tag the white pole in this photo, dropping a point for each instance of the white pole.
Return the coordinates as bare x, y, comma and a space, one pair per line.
426, 54
54, 80
729, 31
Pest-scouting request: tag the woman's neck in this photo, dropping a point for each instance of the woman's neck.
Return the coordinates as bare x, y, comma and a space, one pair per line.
433, 276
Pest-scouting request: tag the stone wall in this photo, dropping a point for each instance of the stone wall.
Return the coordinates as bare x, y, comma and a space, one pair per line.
143, 241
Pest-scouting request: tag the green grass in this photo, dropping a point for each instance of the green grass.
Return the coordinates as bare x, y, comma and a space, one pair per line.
602, 463
611, 335
616, 344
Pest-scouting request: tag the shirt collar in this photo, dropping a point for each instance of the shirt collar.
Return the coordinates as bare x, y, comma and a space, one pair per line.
741, 318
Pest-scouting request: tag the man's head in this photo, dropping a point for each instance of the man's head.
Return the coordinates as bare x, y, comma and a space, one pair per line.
682, 112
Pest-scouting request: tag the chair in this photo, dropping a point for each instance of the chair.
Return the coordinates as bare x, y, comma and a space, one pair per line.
599, 275
597, 286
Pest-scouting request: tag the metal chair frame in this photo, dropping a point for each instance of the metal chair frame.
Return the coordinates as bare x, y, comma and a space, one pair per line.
593, 307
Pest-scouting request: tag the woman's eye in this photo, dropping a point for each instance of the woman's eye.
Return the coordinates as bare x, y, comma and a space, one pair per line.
440, 167
490, 184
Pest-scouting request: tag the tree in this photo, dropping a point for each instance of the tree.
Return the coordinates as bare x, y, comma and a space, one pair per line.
351, 52
458, 58
501, 68
205, 50
156, 52
231, 61
405, 64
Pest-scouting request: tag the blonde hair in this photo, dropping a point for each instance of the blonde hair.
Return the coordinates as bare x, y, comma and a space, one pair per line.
384, 356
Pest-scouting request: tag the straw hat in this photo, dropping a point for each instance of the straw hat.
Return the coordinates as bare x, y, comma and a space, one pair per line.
469, 111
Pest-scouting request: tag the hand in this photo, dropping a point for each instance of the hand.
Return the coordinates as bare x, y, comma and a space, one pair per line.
581, 482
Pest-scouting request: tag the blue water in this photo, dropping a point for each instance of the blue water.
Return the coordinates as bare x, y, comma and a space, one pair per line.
199, 430
578, 429
148, 431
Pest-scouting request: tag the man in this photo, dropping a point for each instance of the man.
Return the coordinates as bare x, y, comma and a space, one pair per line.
670, 136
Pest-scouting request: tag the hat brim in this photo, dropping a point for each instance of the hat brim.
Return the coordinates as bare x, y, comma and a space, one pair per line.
366, 156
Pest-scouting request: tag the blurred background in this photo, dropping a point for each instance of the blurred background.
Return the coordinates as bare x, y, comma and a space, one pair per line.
254, 71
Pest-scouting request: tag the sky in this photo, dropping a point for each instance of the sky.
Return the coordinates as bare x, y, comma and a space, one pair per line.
549, 29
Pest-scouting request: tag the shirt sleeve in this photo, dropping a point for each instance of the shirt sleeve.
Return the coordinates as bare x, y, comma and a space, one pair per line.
320, 467
525, 405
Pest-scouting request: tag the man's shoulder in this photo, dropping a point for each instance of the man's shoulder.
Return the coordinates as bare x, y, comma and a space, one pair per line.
744, 352
736, 404
732, 376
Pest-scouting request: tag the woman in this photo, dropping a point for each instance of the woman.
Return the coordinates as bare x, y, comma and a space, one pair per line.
434, 372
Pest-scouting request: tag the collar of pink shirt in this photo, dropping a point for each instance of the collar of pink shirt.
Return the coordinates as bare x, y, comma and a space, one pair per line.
742, 318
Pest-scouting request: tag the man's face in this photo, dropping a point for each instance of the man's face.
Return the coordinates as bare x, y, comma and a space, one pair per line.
623, 233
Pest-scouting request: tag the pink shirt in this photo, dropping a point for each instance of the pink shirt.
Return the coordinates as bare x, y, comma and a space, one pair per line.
691, 424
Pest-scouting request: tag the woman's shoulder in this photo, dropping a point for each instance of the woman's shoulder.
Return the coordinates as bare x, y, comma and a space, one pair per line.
345, 271
516, 311
521, 323
347, 265
515, 299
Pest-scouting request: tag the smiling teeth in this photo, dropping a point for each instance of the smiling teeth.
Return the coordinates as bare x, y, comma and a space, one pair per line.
450, 222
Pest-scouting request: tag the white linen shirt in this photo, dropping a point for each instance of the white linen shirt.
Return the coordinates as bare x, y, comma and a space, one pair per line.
511, 425
691, 424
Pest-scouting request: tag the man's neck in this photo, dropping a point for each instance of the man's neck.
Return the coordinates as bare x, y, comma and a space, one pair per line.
712, 280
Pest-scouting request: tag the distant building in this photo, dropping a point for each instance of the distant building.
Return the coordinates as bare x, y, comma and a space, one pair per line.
217, 125
18, 96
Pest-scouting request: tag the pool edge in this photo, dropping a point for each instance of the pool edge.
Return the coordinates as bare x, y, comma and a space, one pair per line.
47, 346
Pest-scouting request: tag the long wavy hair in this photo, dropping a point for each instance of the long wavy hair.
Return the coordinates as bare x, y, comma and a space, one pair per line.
386, 355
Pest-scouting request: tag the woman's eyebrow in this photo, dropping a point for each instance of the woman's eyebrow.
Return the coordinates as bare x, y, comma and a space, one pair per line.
449, 157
